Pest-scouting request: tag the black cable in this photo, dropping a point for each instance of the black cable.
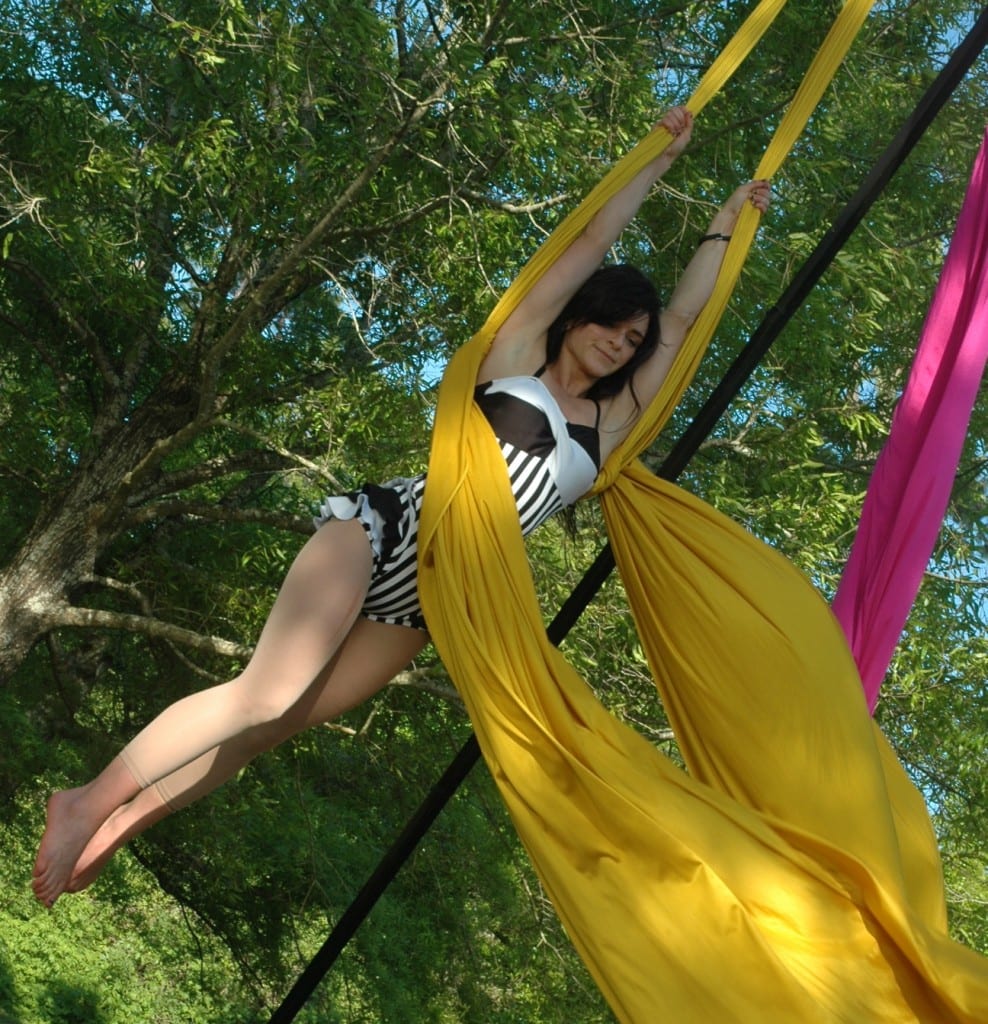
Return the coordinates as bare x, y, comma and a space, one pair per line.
741, 369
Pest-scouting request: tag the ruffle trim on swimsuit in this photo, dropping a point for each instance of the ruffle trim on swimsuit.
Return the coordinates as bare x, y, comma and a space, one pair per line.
379, 509
389, 515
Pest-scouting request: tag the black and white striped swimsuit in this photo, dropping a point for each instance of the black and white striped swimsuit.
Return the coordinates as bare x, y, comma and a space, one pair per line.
551, 463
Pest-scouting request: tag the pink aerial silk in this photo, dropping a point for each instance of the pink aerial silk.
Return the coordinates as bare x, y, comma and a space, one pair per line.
911, 483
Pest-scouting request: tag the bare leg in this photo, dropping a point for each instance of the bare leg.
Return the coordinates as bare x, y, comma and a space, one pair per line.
315, 609
372, 654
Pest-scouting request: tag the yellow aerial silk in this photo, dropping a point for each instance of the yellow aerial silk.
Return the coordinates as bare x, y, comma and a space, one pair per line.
792, 875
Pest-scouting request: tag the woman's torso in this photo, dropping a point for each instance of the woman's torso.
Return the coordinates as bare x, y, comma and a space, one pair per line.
532, 429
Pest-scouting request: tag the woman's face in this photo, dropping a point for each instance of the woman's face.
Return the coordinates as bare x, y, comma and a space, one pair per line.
603, 349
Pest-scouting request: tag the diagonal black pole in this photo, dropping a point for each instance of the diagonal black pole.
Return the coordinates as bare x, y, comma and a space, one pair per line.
739, 372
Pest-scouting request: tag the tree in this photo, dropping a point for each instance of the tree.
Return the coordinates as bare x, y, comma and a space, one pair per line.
233, 262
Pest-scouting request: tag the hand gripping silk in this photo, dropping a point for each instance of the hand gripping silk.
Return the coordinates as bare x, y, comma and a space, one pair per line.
792, 873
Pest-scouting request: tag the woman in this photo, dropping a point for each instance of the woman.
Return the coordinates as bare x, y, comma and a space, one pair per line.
566, 377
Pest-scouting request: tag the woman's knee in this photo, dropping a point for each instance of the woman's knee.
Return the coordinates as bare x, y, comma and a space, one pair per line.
269, 734
260, 708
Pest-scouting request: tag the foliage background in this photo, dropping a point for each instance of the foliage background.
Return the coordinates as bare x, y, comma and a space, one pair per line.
238, 243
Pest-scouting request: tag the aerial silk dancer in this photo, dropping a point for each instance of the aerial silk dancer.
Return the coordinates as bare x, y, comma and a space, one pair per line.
792, 873
912, 479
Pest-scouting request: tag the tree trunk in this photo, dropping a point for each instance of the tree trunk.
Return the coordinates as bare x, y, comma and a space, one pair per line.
63, 547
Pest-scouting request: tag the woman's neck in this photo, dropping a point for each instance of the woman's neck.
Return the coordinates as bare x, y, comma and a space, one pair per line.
567, 379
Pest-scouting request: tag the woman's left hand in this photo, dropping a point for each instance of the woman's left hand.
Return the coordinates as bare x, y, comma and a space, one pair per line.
758, 193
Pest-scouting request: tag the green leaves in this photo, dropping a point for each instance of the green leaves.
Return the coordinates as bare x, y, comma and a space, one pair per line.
233, 264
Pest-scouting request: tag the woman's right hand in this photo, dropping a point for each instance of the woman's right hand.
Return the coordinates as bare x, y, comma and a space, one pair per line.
678, 121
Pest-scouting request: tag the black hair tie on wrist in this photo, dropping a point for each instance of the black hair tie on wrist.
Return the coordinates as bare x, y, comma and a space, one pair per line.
715, 237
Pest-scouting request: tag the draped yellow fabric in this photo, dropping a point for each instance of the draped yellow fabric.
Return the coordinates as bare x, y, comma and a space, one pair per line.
792, 874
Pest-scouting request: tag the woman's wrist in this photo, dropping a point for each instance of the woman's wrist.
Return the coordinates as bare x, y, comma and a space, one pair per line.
720, 229
661, 164
722, 223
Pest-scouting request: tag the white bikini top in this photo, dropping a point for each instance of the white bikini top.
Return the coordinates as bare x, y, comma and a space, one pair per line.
523, 412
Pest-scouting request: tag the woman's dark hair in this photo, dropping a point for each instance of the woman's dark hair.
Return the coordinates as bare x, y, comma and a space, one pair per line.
609, 296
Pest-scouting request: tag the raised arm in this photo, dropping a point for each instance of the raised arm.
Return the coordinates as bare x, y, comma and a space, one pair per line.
519, 344
695, 287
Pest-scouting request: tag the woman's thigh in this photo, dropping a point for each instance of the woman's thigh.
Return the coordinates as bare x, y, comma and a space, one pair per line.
372, 654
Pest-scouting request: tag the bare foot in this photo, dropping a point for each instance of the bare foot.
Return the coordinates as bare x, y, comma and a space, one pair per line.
68, 829
127, 821
74, 816
110, 836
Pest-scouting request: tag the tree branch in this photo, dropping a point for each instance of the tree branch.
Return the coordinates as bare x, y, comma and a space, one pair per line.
423, 679
63, 315
251, 460
66, 615
25, 205
33, 339
217, 513
265, 290
119, 586
437, 203
285, 453
957, 581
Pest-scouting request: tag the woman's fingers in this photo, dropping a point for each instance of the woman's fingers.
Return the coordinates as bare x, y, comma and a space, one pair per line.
760, 194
